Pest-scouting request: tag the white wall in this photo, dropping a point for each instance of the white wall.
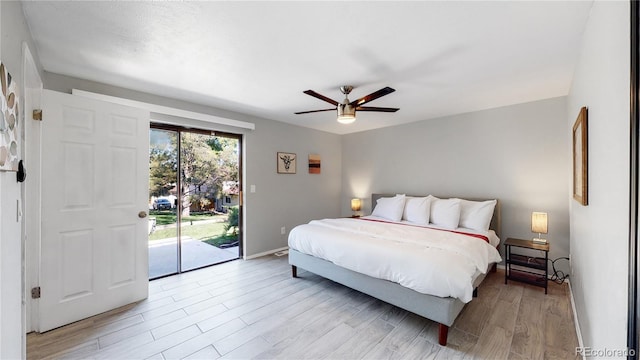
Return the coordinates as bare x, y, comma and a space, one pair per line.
289, 200
599, 231
14, 32
279, 200
517, 154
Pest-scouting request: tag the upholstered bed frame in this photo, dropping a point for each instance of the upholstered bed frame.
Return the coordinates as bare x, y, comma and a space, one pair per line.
441, 310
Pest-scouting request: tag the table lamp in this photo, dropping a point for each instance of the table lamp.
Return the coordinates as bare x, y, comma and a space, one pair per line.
539, 225
356, 205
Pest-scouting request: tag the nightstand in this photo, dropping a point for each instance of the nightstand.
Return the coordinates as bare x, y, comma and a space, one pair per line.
528, 269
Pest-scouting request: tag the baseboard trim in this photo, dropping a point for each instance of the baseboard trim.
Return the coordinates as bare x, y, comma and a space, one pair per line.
575, 319
249, 257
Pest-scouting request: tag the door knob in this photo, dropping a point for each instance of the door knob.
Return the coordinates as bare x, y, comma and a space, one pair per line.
142, 214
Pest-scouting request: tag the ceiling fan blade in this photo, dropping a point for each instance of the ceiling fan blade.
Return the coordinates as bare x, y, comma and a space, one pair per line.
373, 108
313, 111
321, 97
374, 95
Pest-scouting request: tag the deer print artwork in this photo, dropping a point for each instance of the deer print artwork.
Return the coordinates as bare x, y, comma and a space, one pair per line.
286, 163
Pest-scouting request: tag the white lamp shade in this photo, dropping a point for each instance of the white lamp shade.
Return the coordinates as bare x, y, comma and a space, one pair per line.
539, 222
356, 204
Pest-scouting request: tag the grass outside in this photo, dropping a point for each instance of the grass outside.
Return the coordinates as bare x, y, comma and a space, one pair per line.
167, 217
211, 233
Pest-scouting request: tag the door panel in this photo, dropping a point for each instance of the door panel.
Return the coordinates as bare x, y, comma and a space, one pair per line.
78, 190
94, 184
123, 255
76, 248
122, 184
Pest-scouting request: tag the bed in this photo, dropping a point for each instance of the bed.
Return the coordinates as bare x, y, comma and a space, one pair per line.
319, 246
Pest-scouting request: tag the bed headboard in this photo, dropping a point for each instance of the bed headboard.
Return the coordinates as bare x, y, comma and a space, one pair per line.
496, 222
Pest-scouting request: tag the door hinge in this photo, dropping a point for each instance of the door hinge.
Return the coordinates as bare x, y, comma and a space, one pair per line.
37, 114
35, 293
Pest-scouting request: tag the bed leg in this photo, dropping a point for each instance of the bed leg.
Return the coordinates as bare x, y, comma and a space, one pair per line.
475, 292
294, 271
443, 331
494, 268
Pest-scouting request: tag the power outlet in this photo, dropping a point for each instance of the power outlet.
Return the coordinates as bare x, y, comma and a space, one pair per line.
283, 230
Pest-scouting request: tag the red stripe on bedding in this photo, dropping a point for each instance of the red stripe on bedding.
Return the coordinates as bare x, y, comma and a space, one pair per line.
482, 237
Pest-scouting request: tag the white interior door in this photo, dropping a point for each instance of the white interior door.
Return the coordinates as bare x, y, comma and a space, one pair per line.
95, 178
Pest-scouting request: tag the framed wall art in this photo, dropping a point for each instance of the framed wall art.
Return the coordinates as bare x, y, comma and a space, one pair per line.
580, 158
9, 134
314, 164
286, 163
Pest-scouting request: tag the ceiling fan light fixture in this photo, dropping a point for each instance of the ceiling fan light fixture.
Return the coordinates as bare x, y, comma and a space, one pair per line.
346, 114
346, 119
347, 109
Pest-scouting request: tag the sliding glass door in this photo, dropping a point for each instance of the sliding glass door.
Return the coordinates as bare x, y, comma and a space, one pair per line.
163, 219
195, 198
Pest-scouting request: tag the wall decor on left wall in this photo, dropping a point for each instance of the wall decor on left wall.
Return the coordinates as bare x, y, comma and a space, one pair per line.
286, 163
580, 158
9, 134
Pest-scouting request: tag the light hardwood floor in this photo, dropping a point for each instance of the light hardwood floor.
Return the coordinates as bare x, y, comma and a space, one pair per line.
255, 309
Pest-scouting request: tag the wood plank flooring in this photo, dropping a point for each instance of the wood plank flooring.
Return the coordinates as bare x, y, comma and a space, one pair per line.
254, 309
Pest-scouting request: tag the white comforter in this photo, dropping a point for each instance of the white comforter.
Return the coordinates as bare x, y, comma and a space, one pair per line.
429, 261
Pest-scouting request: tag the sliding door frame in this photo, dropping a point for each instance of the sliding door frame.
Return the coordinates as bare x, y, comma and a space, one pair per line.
179, 130
634, 270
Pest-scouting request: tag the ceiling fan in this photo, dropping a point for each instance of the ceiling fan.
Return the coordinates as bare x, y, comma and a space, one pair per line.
347, 109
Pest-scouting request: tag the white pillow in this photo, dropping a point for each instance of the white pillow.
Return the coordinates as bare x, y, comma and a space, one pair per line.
417, 209
476, 215
390, 208
445, 212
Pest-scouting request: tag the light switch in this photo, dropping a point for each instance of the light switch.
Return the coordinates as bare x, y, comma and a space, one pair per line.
18, 211
252, 188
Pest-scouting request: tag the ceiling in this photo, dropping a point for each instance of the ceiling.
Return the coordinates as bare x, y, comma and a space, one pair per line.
256, 58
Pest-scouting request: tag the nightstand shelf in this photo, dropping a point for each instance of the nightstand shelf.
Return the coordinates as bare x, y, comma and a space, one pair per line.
527, 269
527, 261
